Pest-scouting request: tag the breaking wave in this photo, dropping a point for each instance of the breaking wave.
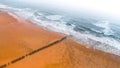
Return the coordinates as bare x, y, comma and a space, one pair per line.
102, 39
106, 27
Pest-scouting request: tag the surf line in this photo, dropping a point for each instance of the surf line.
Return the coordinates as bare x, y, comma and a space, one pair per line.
33, 52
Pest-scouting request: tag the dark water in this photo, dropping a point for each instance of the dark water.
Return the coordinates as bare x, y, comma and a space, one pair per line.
94, 31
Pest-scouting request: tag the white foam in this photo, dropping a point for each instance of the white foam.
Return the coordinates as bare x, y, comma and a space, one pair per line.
54, 17
106, 27
3, 6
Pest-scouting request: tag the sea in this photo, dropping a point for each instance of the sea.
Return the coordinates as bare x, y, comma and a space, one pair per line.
97, 31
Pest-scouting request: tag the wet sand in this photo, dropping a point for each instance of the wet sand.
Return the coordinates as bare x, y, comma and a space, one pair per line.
18, 38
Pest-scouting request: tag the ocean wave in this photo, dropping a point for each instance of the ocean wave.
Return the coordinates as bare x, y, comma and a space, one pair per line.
54, 17
106, 44
106, 27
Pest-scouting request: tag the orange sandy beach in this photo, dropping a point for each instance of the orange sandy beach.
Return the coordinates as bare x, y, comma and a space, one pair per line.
25, 45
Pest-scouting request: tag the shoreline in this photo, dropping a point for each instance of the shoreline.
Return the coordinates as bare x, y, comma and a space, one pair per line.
27, 37
44, 28
92, 41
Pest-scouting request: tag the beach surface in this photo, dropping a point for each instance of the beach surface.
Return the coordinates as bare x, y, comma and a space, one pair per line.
25, 45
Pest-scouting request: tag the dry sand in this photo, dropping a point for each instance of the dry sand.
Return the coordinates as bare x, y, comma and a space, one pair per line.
18, 38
